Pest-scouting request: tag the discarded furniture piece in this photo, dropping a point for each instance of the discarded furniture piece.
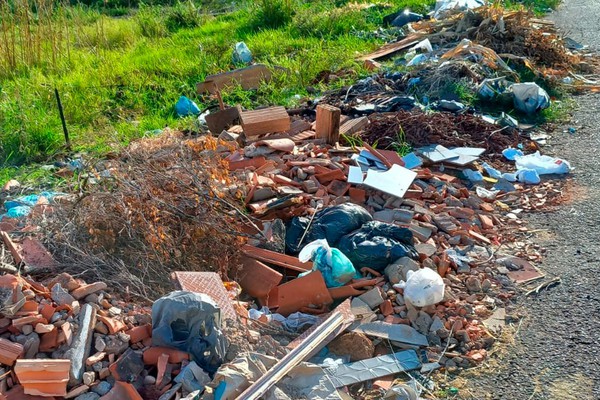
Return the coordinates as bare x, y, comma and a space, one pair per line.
266, 120
328, 123
43, 377
248, 78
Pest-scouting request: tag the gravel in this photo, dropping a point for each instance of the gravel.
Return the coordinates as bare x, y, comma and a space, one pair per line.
557, 350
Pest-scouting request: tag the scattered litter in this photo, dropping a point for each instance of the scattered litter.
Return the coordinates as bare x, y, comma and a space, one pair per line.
241, 54
186, 107
424, 287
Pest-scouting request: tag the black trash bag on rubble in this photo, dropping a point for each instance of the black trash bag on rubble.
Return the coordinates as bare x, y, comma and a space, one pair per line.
377, 244
330, 223
190, 322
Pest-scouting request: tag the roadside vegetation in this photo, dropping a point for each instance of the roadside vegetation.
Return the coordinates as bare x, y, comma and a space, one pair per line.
120, 65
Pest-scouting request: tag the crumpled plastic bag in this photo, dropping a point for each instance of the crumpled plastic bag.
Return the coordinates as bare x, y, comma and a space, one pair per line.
529, 97
241, 54
190, 322
422, 288
542, 164
377, 244
330, 223
336, 268
185, 107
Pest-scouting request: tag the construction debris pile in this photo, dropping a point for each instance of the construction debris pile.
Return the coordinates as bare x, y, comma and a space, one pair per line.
347, 249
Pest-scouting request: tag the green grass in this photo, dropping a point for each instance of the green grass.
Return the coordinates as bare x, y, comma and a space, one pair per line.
540, 7
120, 77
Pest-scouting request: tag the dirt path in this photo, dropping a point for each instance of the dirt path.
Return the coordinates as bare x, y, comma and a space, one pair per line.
557, 351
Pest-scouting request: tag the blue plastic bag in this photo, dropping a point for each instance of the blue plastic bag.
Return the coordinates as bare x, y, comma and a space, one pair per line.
185, 107
336, 268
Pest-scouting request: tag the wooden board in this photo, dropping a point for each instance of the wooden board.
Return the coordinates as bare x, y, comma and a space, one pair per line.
249, 78
354, 125
391, 48
266, 120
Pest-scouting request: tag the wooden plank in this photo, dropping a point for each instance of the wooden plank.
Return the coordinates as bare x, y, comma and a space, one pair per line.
221, 119
328, 123
391, 48
266, 120
354, 125
249, 78
272, 257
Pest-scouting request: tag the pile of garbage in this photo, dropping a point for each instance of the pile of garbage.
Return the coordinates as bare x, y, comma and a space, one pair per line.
348, 248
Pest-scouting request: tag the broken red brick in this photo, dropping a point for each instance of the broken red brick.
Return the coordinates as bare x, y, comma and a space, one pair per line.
308, 290
256, 278
386, 308
30, 320
331, 175
85, 290
486, 222
161, 368
152, 355
113, 325
49, 341
358, 195
9, 351
139, 333
255, 162
338, 188
43, 377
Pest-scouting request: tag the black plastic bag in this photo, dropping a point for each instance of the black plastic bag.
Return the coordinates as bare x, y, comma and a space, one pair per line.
330, 223
377, 244
190, 322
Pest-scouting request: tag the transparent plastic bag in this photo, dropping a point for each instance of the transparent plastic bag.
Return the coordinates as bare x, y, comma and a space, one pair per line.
336, 268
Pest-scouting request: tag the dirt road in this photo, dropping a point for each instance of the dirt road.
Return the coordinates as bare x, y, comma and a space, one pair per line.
557, 351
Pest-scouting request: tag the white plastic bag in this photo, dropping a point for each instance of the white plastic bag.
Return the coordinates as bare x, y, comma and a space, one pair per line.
424, 287
543, 164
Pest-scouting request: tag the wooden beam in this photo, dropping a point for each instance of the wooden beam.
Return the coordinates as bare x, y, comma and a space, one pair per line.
249, 78
266, 120
328, 123
391, 48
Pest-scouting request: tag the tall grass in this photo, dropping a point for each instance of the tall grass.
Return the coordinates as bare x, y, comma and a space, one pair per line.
33, 33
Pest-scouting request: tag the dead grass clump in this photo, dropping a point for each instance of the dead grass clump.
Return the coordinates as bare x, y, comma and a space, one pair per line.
447, 129
167, 206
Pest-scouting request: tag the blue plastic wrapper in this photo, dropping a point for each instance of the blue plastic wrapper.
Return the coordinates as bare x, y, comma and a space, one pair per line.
336, 268
185, 107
